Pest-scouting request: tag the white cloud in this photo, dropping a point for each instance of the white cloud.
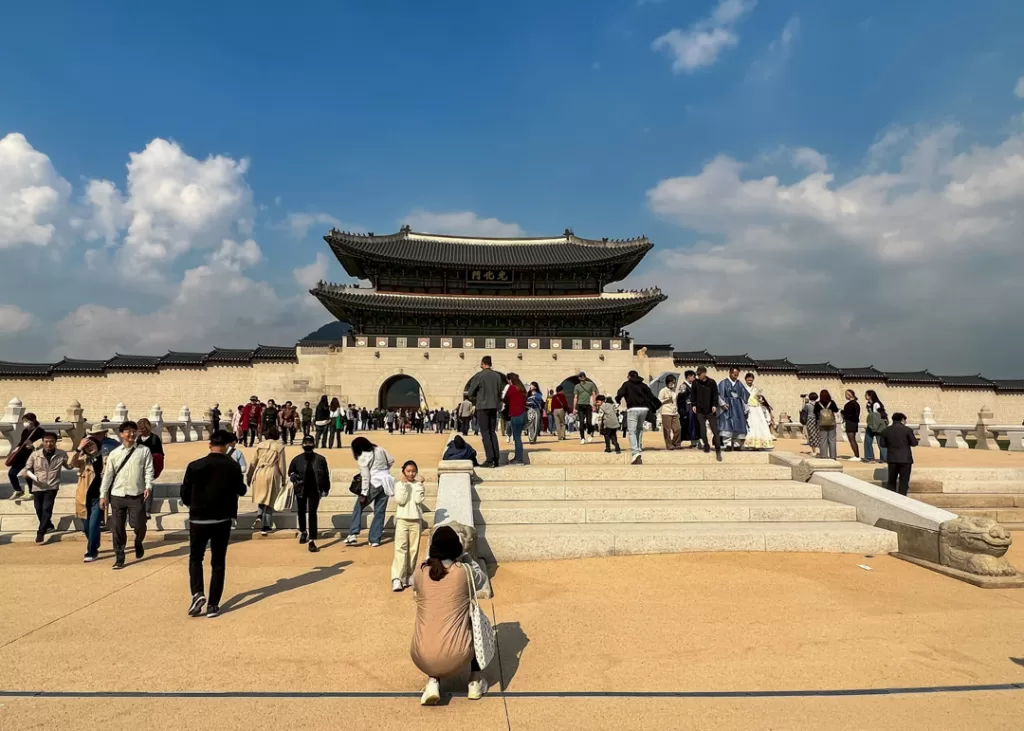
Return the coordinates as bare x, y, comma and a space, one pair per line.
33, 197
461, 223
312, 274
778, 53
909, 267
13, 320
701, 44
1018, 90
298, 224
174, 204
809, 159
237, 256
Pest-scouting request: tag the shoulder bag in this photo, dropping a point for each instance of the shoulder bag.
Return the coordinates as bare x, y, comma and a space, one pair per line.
483, 631
876, 424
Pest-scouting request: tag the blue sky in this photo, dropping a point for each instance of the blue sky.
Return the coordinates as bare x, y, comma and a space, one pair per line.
709, 126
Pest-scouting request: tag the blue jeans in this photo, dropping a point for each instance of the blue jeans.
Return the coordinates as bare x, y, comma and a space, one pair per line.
380, 505
516, 424
869, 446
91, 527
635, 419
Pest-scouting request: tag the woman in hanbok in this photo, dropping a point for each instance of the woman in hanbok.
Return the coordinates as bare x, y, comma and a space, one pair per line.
270, 490
759, 433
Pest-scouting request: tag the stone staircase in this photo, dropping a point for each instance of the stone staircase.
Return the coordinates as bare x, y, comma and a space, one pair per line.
170, 518
578, 504
988, 492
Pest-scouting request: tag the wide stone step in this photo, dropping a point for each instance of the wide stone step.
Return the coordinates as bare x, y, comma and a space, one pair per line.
634, 473
283, 521
651, 457
27, 507
1000, 515
29, 522
962, 487
971, 500
696, 490
664, 511
540, 542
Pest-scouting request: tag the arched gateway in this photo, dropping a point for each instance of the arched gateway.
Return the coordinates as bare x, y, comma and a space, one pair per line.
400, 392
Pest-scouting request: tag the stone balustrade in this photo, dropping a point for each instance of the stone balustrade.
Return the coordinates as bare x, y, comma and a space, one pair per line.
75, 426
986, 435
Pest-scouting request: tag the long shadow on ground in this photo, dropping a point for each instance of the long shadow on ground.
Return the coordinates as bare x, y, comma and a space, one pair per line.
253, 596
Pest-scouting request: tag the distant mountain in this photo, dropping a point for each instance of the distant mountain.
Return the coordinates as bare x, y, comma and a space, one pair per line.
333, 331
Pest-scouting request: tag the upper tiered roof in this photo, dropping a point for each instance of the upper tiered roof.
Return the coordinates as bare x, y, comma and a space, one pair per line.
412, 248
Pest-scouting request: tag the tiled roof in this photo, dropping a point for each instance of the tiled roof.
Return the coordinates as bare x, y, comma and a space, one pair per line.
192, 359
274, 353
342, 299
975, 381
911, 377
1012, 385
780, 364
682, 357
863, 374
459, 252
227, 355
734, 361
24, 370
71, 365
133, 362
817, 369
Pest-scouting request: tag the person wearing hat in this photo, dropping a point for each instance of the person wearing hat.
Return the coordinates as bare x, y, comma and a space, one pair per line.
18, 458
311, 477
583, 404
249, 424
87, 458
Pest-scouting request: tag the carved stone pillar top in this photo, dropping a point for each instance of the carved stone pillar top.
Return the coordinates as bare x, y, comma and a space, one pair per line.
185, 414
928, 416
14, 411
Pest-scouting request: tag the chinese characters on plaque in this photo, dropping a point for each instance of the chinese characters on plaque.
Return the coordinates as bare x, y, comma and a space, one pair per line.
489, 276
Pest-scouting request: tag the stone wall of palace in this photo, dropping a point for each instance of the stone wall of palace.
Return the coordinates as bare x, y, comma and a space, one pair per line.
353, 374
949, 405
357, 374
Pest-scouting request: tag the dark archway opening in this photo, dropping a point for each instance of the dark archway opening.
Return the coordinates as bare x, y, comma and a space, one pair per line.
400, 392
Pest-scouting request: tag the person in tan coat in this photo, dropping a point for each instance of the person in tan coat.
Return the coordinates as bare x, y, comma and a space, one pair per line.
267, 480
442, 641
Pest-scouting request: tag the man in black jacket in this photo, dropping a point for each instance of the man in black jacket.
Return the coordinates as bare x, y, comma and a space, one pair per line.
704, 404
210, 490
899, 439
311, 477
484, 391
640, 401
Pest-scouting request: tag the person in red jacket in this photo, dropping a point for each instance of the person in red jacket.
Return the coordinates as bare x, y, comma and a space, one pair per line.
252, 416
515, 396
559, 408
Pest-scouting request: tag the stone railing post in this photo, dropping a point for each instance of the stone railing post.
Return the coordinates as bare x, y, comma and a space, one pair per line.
12, 417
925, 435
185, 417
955, 439
120, 413
986, 440
1016, 440
156, 419
228, 420
75, 416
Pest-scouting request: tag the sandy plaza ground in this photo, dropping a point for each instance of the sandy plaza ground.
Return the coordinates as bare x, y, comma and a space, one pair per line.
319, 640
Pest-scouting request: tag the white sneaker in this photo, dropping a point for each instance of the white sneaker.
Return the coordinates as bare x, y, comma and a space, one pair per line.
583, 440
855, 459
431, 694
351, 540
477, 688
396, 585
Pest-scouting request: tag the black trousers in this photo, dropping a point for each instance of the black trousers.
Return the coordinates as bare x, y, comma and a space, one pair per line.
586, 414
306, 426
42, 500
287, 433
310, 503
899, 477
251, 433
489, 434
611, 438
217, 535
120, 507
703, 422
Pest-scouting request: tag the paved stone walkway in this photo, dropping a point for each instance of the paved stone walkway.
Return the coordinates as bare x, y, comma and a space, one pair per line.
297, 623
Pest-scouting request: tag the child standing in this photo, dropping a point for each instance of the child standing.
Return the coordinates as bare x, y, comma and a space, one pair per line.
409, 496
608, 420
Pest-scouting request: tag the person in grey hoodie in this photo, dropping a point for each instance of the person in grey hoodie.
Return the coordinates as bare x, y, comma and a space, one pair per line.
484, 390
